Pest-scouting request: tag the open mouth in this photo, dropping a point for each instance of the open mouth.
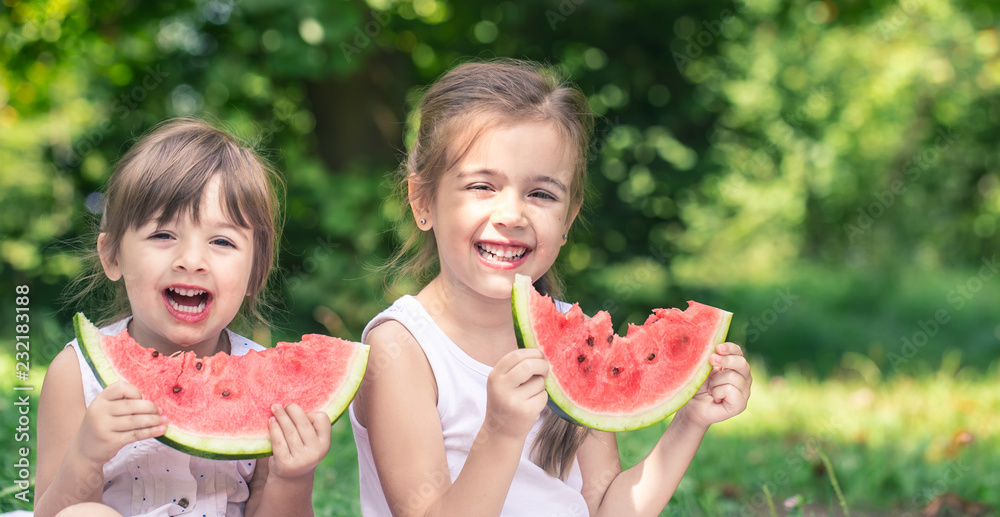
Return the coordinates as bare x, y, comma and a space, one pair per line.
499, 253
187, 300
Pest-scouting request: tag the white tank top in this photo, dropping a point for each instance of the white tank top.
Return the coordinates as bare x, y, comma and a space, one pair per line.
461, 383
149, 479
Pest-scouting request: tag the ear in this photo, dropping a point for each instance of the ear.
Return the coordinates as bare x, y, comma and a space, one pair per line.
418, 205
573, 212
109, 258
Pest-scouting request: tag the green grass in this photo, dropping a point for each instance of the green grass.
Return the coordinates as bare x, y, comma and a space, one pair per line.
893, 445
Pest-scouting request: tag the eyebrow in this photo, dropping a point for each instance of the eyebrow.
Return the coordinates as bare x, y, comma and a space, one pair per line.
538, 177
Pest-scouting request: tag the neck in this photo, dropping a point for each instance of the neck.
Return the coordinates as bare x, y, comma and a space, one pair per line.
208, 347
466, 317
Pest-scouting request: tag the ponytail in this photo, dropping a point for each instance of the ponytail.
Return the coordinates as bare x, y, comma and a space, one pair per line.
558, 440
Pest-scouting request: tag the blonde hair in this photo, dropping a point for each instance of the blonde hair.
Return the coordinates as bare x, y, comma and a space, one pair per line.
164, 175
456, 110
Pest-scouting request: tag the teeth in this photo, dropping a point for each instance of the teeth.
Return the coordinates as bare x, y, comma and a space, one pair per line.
186, 308
503, 252
187, 292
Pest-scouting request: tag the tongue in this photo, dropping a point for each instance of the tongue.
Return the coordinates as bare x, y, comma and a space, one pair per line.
191, 301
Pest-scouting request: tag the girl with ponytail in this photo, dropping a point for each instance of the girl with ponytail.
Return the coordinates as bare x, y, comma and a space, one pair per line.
451, 418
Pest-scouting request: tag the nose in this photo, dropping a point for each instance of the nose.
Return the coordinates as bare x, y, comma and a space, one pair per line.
190, 257
509, 211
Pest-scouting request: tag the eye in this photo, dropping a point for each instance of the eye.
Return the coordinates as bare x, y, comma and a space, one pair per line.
479, 186
160, 236
541, 194
221, 241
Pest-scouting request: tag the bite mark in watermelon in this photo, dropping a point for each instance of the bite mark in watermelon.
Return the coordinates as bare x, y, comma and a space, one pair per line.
618, 383
218, 407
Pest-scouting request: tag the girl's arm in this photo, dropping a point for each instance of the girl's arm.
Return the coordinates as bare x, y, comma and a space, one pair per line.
397, 403
283, 484
74, 442
646, 488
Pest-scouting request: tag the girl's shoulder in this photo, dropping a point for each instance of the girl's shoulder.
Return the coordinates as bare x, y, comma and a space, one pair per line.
406, 310
239, 345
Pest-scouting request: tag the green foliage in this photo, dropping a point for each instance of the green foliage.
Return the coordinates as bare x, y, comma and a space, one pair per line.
841, 153
738, 141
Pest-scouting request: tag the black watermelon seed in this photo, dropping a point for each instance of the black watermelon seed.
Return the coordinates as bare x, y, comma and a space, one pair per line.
197, 366
177, 389
155, 353
225, 393
612, 336
651, 357
590, 341
581, 358
615, 371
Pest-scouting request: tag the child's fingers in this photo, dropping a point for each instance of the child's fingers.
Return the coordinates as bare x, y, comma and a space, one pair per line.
138, 435
513, 360
121, 390
527, 369
303, 424
124, 407
534, 399
321, 425
278, 444
728, 349
136, 423
532, 386
320, 444
287, 426
730, 397
731, 362
731, 377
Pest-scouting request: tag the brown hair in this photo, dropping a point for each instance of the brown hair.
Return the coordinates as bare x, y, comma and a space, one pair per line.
164, 175
454, 112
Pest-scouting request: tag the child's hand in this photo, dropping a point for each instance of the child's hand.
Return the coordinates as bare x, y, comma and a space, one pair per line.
117, 417
515, 393
299, 441
726, 390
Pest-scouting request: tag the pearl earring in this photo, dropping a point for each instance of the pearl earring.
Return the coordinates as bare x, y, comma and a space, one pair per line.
423, 221
565, 236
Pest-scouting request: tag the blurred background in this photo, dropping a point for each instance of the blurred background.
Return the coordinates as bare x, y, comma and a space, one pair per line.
827, 171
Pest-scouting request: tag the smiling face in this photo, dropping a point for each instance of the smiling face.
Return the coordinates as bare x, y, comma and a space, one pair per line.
185, 280
503, 208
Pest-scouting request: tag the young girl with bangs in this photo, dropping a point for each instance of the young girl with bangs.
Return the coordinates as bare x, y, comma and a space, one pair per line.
187, 241
451, 418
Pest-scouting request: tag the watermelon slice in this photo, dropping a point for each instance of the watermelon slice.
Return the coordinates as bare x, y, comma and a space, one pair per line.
218, 407
615, 383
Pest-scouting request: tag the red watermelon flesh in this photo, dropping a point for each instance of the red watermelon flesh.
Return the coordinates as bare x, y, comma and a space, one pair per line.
219, 406
611, 382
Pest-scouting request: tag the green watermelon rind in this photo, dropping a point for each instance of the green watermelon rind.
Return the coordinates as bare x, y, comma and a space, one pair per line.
520, 303
213, 447
87, 335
